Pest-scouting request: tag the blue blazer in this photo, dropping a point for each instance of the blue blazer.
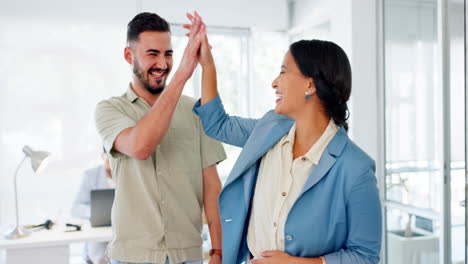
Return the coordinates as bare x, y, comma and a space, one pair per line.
337, 214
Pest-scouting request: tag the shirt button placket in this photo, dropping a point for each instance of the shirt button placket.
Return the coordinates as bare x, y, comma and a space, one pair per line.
162, 206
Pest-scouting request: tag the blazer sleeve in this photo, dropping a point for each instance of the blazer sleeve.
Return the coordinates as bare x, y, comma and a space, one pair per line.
232, 130
364, 224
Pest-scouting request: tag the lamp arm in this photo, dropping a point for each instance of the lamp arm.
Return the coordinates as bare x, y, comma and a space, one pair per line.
16, 190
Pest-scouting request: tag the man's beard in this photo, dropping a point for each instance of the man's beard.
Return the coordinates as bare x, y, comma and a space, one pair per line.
139, 74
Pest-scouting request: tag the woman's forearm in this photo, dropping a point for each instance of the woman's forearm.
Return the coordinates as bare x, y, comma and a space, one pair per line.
209, 83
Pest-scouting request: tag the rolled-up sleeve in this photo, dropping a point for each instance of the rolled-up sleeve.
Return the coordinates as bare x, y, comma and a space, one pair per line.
110, 122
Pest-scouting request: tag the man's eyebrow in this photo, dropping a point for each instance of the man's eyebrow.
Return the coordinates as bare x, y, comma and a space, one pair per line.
153, 51
158, 51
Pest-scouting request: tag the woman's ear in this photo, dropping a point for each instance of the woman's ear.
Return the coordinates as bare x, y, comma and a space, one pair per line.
310, 83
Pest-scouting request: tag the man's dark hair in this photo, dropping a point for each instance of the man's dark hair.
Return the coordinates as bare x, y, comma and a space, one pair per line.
146, 22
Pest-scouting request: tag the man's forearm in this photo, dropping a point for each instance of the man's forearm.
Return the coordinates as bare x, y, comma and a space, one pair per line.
149, 131
212, 188
214, 225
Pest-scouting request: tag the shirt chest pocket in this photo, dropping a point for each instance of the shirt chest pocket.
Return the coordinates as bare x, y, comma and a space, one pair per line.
181, 145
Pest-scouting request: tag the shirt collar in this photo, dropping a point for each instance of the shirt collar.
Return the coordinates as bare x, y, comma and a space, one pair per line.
130, 94
315, 152
289, 138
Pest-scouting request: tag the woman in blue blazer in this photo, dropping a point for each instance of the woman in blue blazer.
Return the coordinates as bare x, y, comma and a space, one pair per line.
335, 214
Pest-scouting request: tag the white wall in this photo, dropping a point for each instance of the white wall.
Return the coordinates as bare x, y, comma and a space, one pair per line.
367, 93
336, 14
353, 26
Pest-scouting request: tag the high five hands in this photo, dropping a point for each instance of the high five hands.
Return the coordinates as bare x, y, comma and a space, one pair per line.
191, 53
205, 57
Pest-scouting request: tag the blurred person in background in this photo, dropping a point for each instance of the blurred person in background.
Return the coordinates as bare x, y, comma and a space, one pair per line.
96, 178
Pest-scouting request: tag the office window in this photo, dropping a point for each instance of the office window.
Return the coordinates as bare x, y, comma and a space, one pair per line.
415, 131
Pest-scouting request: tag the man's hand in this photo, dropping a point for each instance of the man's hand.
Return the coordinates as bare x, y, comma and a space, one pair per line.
190, 58
215, 259
205, 57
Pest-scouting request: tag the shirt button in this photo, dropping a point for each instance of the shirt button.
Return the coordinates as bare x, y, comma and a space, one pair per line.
274, 224
284, 194
162, 201
304, 158
288, 237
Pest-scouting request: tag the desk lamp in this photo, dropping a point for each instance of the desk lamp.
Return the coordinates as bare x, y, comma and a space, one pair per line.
38, 161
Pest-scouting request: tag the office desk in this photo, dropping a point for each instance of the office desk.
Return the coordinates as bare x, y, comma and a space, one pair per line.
50, 246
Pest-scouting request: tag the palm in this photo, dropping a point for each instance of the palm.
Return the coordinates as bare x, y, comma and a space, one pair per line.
190, 58
204, 54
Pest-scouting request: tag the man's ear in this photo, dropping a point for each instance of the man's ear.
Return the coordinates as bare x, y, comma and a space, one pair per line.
128, 55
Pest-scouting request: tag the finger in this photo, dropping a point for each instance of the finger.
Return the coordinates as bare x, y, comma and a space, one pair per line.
259, 261
205, 36
189, 16
187, 26
198, 16
203, 29
270, 253
203, 32
195, 27
199, 37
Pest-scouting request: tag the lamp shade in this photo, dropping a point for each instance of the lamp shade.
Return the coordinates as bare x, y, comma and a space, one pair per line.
38, 158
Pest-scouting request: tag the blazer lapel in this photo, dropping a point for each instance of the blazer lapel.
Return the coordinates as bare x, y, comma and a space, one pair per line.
261, 140
318, 172
328, 159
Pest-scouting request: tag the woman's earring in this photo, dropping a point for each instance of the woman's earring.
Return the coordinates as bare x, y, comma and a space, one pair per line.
308, 93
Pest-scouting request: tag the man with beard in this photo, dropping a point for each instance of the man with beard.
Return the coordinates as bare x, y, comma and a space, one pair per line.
163, 163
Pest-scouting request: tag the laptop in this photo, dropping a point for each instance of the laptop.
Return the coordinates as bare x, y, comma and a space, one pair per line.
101, 207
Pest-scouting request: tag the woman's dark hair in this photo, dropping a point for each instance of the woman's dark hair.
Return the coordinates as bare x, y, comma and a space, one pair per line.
327, 64
146, 22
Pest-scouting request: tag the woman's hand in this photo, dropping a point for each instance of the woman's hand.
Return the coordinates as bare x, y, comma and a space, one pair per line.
209, 83
280, 257
274, 257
